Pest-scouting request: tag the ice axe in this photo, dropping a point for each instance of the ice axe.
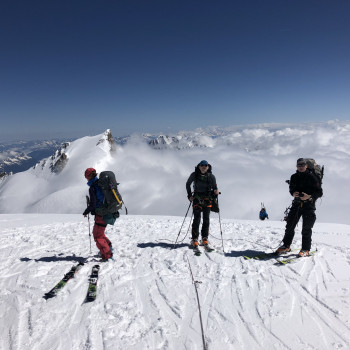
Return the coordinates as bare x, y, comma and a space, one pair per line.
119, 201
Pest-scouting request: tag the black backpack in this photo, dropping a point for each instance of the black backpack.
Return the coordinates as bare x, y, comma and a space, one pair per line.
315, 168
113, 201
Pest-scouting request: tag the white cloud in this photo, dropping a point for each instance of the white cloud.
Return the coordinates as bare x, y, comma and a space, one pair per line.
251, 170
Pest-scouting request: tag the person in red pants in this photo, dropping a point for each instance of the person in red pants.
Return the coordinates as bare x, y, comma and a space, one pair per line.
96, 198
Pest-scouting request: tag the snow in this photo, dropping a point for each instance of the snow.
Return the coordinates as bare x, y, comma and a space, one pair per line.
251, 164
146, 298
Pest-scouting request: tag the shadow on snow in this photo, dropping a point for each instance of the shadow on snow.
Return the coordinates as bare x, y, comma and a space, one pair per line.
248, 253
56, 258
162, 245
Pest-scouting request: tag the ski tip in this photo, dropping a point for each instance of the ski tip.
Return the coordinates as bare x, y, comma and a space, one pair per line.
197, 252
48, 296
90, 299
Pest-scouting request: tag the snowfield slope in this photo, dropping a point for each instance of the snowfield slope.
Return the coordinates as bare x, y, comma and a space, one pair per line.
146, 298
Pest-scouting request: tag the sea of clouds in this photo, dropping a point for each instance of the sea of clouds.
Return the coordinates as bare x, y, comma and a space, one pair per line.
251, 165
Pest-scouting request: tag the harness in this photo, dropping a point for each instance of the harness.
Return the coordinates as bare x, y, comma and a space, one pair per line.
202, 202
203, 199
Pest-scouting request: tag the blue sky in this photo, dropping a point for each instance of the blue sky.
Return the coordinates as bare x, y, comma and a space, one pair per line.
75, 68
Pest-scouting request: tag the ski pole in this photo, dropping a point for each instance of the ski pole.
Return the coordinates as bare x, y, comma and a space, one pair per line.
87, 202
189, 226
222, 240
182, 225
89, 231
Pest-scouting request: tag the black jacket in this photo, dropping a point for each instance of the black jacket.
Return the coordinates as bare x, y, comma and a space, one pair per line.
203, 183
306, 182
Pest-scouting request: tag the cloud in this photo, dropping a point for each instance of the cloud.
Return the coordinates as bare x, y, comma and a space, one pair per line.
250, 165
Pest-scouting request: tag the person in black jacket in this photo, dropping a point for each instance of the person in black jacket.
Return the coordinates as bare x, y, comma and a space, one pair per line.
305, 187
205, 189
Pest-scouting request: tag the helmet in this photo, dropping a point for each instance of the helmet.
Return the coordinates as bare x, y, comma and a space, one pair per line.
203, 162
89, 172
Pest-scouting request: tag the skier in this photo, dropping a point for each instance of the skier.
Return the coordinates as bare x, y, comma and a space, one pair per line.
96, 200
305, 187
263, 214
205, 189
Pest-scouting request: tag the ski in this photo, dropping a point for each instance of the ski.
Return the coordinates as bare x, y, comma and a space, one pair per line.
207, 248
294, 258
92, 289
197, 251
263, 256
260, 256
69, 275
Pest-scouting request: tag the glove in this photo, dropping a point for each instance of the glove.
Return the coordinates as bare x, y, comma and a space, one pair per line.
86, 212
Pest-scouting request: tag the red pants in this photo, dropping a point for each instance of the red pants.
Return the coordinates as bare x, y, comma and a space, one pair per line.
102, 242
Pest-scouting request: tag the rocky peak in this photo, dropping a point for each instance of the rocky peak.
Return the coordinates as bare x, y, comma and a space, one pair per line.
107, 140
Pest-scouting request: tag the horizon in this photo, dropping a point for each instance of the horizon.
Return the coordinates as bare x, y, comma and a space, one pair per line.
208, 128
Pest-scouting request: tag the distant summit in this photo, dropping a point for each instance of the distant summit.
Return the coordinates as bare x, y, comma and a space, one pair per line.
20, 156
57, 161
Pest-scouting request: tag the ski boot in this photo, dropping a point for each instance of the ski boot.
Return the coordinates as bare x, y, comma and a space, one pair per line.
283, 249
303, 253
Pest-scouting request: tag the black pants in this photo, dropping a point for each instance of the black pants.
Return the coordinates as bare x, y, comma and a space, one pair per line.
197, 210
307, 212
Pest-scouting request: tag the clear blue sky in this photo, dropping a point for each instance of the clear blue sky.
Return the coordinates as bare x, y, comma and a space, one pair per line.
73, 68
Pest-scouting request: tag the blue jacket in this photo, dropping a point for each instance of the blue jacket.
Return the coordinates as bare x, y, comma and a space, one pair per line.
96, 196
263, 215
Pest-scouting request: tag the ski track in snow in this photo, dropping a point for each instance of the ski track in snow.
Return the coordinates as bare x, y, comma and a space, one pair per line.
146, 298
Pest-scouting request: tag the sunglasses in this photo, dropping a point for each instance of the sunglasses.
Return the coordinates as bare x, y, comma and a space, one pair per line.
203, 165
301, 165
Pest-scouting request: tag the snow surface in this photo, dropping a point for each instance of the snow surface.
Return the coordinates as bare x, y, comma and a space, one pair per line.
146, 298
251, 164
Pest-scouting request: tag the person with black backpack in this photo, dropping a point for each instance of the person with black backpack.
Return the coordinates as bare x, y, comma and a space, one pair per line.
205, 191
305, 187
96, 201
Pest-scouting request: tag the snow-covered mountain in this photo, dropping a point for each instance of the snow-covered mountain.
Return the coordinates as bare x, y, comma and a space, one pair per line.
251, 164
20, 156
